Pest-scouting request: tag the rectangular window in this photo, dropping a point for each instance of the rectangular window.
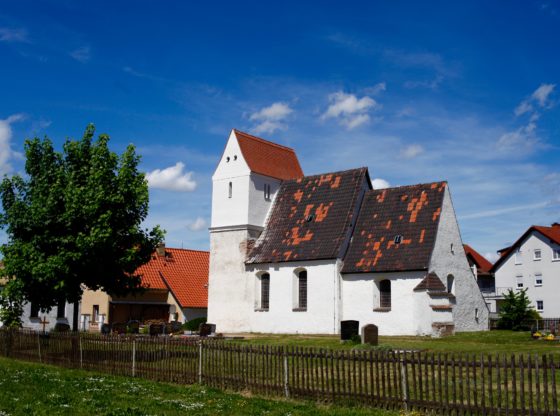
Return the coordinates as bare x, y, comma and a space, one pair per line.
265, 291
519, 279
556, 254
540, 305
61, 309
95, 313
537, 254
34, 311
538, 279
302, 290
230, 190
518, 259
267, 192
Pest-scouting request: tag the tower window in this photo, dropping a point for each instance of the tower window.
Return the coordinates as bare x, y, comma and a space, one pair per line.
398, 239
267, 191
230, 190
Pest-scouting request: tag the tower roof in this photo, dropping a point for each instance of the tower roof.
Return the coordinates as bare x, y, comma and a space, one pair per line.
267, 158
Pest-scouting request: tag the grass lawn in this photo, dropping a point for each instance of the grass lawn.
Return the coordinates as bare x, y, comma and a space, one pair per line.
474, 342
33, 389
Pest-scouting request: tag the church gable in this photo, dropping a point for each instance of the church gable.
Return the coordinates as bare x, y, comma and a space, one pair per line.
311, 218
396, 229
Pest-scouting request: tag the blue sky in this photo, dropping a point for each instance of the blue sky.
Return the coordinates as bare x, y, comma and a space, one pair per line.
417, 91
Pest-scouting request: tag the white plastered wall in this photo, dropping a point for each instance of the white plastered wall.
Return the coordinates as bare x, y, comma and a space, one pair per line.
449, 258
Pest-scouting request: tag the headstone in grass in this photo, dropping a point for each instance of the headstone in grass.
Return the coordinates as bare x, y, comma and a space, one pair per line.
156, 329
370, 334
349, 329
207, 329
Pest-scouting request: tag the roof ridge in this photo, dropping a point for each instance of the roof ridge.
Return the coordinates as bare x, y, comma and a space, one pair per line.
407, 186
339, 172
187, 249
264, 141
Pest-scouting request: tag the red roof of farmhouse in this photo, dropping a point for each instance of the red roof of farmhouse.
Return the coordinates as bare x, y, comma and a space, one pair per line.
267, 158
183, 272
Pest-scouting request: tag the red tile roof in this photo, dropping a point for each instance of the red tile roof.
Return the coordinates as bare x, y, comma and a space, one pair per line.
311, 218
408, 213
183, 272
552, 233
482, 265
267, 158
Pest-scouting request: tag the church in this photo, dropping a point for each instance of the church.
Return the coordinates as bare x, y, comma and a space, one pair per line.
296, 254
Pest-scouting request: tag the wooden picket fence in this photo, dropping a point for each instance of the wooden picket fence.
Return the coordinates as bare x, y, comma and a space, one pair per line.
450, 384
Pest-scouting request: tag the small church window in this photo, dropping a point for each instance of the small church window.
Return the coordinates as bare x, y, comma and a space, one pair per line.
227, 159
302, 289
61, 309
385, 293
265, 291
450, 284
34, 311
267, 191
234, 157
230, 190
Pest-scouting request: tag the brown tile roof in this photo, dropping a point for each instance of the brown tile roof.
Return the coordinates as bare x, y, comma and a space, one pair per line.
411, 212
311, 218
552, 233
267, 158
431, 282
483, 266
183, 272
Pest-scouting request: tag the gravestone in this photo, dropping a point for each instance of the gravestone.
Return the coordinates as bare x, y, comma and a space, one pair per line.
206, 329
348, 329
105, 329
61, 327
156, 329
370, 334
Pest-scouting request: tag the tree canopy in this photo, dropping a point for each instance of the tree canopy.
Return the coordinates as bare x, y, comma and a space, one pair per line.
74, 221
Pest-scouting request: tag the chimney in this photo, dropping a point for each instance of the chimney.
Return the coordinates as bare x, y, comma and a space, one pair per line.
160, 250
555, 225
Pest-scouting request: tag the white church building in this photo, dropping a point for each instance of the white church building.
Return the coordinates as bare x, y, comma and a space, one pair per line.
299, 254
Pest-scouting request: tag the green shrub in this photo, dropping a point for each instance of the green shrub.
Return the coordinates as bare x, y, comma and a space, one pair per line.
193, 324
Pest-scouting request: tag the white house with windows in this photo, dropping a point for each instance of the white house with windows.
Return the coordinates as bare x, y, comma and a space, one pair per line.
532, 263
299, 254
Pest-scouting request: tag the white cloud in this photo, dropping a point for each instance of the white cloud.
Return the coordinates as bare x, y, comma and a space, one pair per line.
350, 110
172, 179
6, 152
270, 118
82, 54
379, 183
13, 35
524, 107
492, 257
523, 139
376, 89
542, 93
198, 224
411, 151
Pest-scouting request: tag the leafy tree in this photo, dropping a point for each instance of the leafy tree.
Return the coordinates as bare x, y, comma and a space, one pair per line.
74, 221
516, 310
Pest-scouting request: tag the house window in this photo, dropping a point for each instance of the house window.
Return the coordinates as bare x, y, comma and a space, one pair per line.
540, 305
267, 191
230, 190
61, 309
302, 290
519, 279
518, 259
556, 254
537, 255
265, 291
34, 311
538, 279
95, 313
385, 293
450, 284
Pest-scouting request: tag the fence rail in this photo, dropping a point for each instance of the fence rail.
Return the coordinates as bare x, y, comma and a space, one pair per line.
460, 384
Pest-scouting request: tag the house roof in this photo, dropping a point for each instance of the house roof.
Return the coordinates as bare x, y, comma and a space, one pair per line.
183, 272
311, 218
431, 282
552, 233
411, 212
267, 158
483, 266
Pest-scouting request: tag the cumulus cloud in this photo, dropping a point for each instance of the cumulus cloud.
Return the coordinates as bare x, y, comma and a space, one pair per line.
270, 119
172, 178
82, 54
349, 110
411, 151
6, 152
379, 183
13, 35
198, 224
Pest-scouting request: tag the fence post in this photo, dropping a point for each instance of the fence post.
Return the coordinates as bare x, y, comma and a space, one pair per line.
199, 362
39, 345
404, 385
285, 362
81, 351
134, 358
